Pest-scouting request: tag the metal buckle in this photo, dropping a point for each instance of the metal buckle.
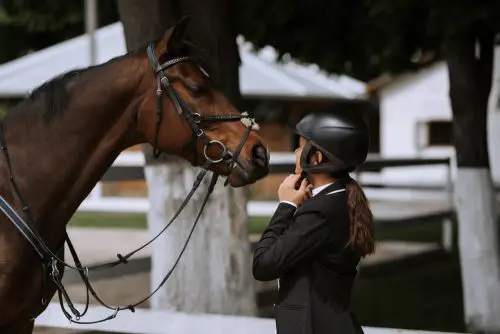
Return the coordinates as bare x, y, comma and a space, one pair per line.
54, 272
196, 118
199, 132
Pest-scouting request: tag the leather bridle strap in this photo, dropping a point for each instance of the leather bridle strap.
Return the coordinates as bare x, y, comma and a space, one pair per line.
132, 307
163, 82
193, 118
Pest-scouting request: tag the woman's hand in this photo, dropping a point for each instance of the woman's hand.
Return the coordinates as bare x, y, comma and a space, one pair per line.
287, 191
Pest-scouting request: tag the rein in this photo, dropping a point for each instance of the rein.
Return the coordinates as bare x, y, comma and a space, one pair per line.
50, 260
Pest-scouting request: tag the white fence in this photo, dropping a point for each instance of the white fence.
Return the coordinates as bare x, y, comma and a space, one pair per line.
165, 321
96, 202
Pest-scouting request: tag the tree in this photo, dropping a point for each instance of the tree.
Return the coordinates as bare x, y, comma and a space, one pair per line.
365, 38
27, 26
214, 273
493, 120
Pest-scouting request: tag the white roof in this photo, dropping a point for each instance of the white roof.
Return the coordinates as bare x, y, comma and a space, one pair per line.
260, 75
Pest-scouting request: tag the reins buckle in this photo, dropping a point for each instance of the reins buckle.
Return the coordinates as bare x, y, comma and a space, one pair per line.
55, 272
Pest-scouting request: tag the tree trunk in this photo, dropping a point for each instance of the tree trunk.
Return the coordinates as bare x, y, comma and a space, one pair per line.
470, 59
213, 31
494, 119
214, 275
142, 24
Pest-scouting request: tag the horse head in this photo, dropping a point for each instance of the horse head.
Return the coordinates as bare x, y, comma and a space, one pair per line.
182, 112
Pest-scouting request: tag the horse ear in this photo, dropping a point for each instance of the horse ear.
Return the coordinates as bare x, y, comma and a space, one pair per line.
176, 34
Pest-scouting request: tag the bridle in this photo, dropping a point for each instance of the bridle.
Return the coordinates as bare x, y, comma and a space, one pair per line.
50, 261
193, 118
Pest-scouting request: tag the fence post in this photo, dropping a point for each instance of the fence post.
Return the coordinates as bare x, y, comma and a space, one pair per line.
447, 225
96, 193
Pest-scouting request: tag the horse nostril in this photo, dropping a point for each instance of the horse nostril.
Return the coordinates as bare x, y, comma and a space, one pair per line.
260, 156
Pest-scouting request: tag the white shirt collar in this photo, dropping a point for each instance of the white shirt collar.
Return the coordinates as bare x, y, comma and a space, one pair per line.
317, 190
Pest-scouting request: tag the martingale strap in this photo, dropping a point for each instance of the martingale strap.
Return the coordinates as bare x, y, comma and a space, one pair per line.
23, 228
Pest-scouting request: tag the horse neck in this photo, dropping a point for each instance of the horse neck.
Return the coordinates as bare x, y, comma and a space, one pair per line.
57, 164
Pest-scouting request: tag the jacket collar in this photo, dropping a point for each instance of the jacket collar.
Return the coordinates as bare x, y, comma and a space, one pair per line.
337, 185
318, 190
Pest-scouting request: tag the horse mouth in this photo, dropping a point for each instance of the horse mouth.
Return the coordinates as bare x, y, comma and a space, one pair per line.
242, 174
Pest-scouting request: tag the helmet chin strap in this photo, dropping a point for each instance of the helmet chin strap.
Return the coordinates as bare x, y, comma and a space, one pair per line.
333, 165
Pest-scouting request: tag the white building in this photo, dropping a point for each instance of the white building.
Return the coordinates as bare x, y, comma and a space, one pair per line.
415, 121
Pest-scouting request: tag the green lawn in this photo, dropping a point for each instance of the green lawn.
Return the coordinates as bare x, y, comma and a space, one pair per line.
86, 219
425, 296
128, 220
3, 110
256, 225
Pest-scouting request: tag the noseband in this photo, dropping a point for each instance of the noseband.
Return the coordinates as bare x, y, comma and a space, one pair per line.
50, 261
193, 118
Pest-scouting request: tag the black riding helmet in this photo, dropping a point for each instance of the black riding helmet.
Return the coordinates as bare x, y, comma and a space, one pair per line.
340, 135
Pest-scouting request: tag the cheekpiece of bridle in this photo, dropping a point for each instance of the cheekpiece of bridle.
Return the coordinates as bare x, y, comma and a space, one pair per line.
50, 261
193, 118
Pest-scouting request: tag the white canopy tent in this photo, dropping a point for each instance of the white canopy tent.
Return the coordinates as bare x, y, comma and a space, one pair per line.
260, 75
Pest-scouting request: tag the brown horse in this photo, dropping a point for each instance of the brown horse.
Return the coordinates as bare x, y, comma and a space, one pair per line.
60, 141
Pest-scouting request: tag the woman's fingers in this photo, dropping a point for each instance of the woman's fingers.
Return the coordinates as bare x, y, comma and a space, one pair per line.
303, 186
291, 180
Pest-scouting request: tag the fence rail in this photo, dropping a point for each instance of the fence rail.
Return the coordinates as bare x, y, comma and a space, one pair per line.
165, 321
130, 165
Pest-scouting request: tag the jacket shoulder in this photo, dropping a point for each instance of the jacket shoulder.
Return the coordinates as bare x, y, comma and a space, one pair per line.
327, 204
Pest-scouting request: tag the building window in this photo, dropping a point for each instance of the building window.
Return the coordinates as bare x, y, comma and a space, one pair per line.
435, 133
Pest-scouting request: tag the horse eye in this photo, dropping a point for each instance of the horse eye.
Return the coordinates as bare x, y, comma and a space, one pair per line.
197, 89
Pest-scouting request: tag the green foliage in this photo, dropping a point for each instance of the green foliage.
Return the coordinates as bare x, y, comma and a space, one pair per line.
40, 16
362, 38
30, 25
3, 111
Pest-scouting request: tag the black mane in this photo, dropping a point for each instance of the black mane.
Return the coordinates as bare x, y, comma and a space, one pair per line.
56, 95
55, 91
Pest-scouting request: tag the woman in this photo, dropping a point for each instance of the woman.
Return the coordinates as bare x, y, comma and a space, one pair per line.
320, 230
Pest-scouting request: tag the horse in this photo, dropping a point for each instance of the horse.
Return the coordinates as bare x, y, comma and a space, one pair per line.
58, 143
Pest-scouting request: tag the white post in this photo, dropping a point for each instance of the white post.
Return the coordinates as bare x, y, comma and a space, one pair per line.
357, 175
90, 27
96, 193
447, 226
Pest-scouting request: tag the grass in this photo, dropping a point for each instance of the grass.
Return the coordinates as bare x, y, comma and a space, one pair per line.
256, 225
3, 111
139, 221
123, 220
426, 296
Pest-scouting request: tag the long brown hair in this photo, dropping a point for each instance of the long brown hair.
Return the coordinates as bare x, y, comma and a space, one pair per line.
361, 228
